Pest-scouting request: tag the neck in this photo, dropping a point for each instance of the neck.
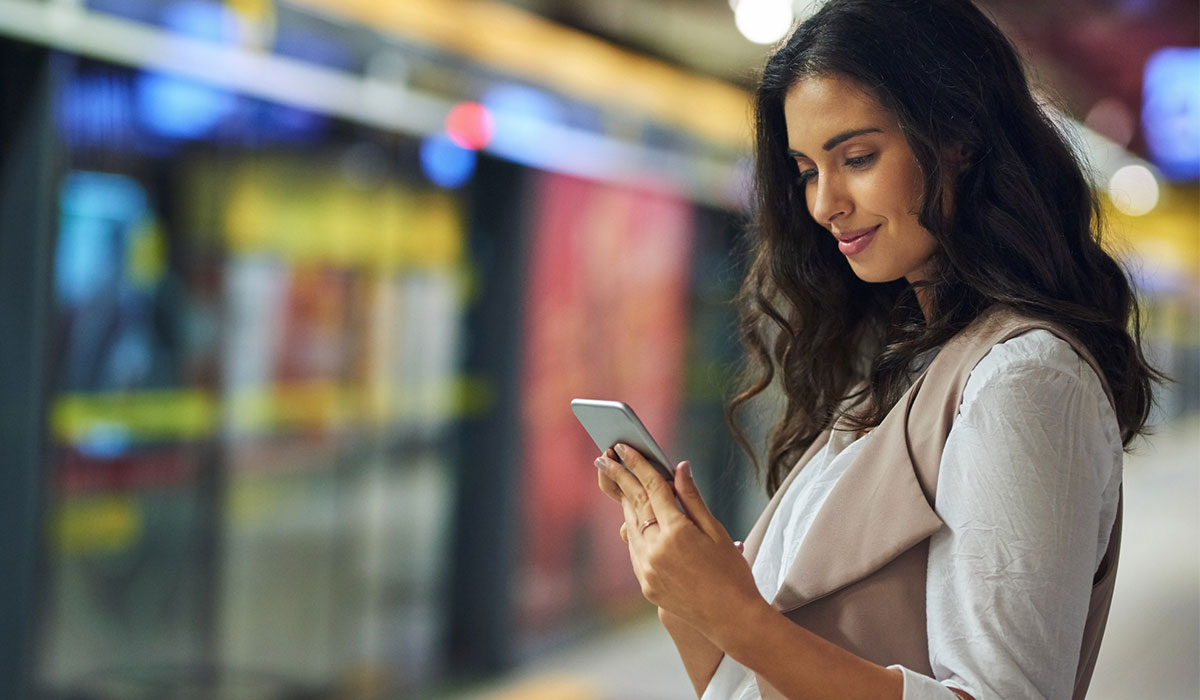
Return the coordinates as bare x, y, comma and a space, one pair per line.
925, 300
924, 294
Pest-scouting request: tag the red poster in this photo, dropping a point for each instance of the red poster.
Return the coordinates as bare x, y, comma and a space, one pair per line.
606, 318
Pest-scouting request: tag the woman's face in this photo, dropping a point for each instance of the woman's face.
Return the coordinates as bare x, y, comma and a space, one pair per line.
861, 180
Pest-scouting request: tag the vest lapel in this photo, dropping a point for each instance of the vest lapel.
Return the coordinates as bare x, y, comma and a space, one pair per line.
875, 512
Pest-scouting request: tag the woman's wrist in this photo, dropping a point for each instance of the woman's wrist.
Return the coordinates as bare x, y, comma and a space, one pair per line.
670, 620
740, 632
735, 632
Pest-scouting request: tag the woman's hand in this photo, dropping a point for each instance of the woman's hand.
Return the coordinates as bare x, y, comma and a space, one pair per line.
707, 597
685, 560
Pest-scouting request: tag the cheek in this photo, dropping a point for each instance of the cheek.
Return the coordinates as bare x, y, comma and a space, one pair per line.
890, 193
905, 183
914, 181
916, 194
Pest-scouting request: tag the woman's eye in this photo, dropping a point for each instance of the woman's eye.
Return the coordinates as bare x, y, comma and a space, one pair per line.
805, 176
860, 161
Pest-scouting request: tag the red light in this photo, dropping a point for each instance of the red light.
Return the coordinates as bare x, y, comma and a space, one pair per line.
469, 125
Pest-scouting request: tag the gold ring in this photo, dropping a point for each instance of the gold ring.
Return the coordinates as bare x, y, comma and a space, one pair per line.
646, 524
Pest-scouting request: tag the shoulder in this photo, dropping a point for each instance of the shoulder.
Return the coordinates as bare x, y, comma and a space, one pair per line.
1035, 352
1038, 371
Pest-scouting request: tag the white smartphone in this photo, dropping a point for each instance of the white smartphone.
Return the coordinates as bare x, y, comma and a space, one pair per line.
610, 422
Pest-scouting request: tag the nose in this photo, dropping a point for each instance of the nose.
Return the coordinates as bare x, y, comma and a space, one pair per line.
828, 200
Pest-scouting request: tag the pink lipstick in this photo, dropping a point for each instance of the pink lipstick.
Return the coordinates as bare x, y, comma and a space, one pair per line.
854, 242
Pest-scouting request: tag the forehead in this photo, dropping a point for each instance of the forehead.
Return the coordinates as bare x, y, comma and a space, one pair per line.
820, 107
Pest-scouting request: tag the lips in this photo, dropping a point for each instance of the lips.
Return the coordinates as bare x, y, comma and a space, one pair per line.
854, 242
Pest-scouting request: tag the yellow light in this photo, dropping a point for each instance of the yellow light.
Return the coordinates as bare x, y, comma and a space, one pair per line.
171, 414
98, 524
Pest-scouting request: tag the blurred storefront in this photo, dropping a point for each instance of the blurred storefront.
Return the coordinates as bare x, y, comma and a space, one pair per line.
304, 426
298, 294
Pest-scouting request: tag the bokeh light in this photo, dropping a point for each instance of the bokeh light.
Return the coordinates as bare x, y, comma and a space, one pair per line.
470, 125
1171, 111
183, 108
520, 115
763, 21
1111, 118
445, 163
1134, 190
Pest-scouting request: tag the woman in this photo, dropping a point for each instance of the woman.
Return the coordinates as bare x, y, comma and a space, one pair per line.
929, 293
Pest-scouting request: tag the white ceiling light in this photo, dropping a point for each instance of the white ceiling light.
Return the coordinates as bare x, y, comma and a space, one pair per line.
763, 21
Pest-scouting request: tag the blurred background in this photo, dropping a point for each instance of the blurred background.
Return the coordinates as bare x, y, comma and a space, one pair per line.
294, 295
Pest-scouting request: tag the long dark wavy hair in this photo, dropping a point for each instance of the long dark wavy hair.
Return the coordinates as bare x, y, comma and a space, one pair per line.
1023, 231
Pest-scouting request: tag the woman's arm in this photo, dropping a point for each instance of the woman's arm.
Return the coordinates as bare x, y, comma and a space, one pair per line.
800, 664
1028, 490
700, 656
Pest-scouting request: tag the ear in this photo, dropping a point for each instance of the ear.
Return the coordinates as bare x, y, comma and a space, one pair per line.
956, 157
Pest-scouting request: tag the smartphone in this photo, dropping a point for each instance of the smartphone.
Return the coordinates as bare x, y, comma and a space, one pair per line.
610, 422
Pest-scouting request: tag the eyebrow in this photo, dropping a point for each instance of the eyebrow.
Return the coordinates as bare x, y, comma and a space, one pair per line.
840, 138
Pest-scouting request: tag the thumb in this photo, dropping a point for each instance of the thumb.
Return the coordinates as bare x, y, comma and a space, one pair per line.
693, 503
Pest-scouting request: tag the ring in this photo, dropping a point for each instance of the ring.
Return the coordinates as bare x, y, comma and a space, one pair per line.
646, 524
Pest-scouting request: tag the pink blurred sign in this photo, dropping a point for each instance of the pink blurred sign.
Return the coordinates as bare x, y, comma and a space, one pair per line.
606, 313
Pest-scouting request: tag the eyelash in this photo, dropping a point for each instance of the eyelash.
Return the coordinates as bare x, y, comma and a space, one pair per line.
858, 163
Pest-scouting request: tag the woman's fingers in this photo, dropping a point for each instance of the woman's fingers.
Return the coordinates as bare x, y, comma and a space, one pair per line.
632, 520
608, 486
694, 505
659, 491
628, 486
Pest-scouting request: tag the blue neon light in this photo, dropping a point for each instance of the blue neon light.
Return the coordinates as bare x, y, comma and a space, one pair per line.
445, 163
201, 19
520, 114
1171, 111
180, 108
96, 110
97, 210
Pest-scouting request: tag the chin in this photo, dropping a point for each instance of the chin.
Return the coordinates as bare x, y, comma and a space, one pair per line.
873, 275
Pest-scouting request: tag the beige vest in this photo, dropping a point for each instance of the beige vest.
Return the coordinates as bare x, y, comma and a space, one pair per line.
858, 579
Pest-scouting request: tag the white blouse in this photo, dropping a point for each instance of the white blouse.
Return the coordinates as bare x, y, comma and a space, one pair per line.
1027, 488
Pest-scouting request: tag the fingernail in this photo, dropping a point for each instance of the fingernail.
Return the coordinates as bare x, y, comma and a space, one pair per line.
621, 449
600, 462
685, 468
741, 547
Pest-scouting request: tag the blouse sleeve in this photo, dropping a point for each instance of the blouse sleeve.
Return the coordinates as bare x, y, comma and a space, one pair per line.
1028, 491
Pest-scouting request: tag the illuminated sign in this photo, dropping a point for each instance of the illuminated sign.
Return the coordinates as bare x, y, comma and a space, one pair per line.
1171, 111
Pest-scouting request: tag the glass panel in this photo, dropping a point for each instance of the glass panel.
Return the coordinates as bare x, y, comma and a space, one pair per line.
259, 330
